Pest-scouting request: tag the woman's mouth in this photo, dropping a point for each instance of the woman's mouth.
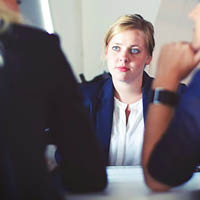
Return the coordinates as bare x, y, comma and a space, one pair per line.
123, 69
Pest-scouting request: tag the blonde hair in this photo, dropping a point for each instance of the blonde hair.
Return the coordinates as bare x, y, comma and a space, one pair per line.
8, 16
132, 22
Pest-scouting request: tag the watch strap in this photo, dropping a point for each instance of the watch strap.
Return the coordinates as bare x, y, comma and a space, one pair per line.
162, 96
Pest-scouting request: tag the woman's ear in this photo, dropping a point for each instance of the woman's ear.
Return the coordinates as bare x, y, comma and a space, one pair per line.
106, 51
149, 58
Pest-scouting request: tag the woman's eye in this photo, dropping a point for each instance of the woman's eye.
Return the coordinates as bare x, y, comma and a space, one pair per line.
135, 51
115, 48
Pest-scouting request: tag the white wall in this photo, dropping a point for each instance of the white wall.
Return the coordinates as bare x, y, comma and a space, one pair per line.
97, 16
81, 25
37, 13
172, 24
66, 16
32, 12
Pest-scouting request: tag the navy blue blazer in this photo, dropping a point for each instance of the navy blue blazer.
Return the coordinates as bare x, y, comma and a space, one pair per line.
99, 102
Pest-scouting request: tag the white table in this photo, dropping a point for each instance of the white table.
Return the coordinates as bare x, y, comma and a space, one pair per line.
127, 183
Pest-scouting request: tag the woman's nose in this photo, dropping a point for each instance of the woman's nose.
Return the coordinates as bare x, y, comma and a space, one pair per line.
124, 57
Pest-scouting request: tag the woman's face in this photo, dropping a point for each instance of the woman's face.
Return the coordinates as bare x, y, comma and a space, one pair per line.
126, 55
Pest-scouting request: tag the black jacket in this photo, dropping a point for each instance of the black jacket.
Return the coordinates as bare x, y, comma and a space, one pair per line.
39, 91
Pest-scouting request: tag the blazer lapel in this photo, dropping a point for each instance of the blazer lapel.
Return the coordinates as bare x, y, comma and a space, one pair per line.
104, 116
104, 111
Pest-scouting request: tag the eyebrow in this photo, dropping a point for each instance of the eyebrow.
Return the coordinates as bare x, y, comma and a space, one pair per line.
117, 43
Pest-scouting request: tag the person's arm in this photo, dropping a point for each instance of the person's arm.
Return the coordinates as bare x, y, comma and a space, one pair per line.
175, 62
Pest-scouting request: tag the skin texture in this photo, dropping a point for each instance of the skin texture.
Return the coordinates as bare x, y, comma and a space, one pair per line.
194, 15
126, 56
176, 61
127, 50
12, 4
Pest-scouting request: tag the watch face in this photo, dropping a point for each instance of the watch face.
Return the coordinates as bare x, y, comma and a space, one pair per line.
161, 96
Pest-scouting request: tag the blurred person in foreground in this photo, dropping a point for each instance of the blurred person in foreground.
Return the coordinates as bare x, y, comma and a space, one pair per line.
38, 91
171, 149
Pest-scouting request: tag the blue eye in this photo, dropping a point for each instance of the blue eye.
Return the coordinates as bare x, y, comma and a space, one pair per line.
135, 51
115, 48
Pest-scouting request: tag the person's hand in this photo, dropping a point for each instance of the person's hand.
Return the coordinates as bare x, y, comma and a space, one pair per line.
195, 16
175, 62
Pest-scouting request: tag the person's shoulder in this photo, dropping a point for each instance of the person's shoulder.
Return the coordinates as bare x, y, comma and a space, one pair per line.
96, 82
147, 77
147, 81
29, 33
93, 88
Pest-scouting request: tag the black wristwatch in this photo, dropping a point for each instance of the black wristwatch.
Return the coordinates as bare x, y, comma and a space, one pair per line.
162, 96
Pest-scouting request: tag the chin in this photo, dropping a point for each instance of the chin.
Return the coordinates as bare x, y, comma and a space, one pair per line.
122, 79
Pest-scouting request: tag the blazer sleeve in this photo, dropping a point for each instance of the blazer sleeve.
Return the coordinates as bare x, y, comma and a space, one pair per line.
81, 168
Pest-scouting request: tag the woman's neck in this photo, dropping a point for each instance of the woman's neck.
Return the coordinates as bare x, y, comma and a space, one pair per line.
128, 92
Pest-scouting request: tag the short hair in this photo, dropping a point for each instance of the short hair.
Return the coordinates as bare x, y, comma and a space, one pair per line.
134, 21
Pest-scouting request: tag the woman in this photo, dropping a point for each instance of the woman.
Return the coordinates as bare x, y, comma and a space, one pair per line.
39, 91
118, 104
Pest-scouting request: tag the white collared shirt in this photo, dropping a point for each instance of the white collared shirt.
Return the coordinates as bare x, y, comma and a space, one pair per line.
126, 139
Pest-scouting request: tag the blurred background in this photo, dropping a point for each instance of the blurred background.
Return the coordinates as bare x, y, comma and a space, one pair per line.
81, 25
